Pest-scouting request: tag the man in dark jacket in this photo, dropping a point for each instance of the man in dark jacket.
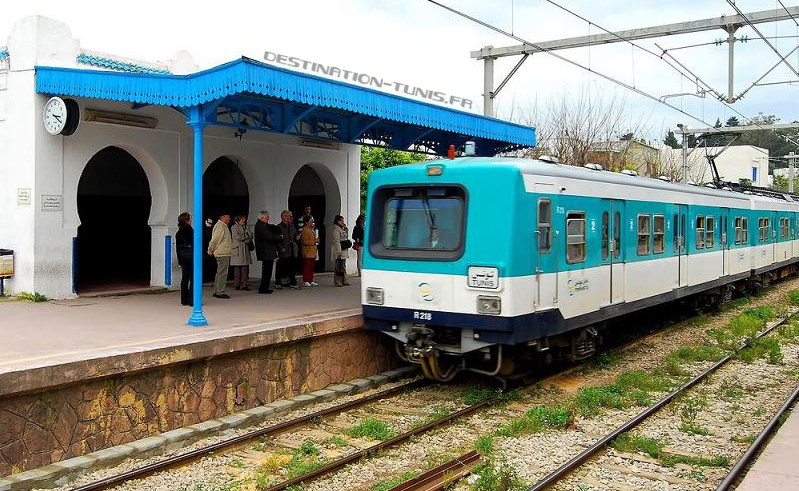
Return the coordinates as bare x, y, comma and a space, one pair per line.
288, 252
267, 237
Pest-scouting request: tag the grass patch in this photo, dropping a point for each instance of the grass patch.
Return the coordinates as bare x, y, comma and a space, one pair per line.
373, 428
718, 461
336, 441
606, 359
438, 413
485, 445
538, 419
793, 297
396, 481
691, 354
629, 389
634, 443
477, 395
493, 477
692, 428
730, 389
238, 464
789, 332
763, 312
768, 348
747, 439
32, 297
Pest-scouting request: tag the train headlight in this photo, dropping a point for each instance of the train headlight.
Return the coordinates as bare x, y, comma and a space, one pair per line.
374, 296
489, 304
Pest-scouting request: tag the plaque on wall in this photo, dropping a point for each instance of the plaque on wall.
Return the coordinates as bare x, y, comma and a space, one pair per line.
51, 202
23, 196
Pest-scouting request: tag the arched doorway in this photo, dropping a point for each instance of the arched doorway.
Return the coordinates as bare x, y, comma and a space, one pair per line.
224, 191
113, 245
307, 189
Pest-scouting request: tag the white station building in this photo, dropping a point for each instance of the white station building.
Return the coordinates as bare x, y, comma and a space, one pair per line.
94, 206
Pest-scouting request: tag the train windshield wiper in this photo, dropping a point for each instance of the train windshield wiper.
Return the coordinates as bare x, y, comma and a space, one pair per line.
431, 220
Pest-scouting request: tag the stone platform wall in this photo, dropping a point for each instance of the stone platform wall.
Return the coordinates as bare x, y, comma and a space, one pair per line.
42, 427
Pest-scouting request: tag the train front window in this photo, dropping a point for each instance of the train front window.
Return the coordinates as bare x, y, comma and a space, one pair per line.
421, 223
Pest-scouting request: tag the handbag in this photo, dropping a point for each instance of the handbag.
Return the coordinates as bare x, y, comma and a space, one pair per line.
345, 244
250, 245
341, 268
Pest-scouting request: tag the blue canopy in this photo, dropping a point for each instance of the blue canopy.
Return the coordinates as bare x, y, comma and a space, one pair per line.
251, 94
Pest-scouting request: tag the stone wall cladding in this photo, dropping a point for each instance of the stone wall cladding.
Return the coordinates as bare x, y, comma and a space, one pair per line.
59, 423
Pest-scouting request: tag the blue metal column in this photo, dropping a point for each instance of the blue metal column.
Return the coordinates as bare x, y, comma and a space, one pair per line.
197, 122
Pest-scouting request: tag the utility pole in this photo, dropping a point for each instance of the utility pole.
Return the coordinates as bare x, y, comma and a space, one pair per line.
791, 157
488, 85
683, 129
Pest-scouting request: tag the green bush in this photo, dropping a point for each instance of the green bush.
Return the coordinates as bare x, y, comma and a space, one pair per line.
32, 297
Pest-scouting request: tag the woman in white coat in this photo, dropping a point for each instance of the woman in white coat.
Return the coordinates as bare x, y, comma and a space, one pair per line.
338, 251
240, 257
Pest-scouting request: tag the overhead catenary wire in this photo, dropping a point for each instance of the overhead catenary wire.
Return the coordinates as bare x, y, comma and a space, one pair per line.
567, 60
747, 119
760, 34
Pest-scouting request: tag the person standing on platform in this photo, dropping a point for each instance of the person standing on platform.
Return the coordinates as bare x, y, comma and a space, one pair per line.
220, 247
357, 240
286, 274
184, 240
300, 224
267, 237
338, 251
309, 242
240, 258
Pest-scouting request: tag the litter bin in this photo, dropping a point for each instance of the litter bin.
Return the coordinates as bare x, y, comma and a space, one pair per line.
6, 267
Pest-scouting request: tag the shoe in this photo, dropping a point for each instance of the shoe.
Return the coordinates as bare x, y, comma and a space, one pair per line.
307, 284
313, 283
278, 287
238, 287
245, 288
221, 295
266, 292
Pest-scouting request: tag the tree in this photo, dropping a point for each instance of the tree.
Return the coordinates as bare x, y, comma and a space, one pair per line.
671, 140
627, 136
373, 158
733, 121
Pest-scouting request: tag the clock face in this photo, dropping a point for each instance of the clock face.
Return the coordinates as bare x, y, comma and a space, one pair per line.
55, 115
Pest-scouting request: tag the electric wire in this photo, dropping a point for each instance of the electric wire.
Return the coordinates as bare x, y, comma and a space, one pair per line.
567, 60
788, 12
749, 23
746, 118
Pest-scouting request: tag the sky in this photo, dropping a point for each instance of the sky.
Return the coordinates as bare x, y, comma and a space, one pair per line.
422, 45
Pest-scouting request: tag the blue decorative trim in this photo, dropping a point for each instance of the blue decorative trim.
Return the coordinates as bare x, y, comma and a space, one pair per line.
117, 65
4, 53
246, 76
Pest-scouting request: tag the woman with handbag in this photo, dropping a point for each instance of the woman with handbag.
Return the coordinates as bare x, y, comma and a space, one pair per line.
184, 238
309, 242
240, 258
338, 251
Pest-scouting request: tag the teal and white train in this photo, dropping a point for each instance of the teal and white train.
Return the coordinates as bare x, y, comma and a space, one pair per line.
485, 263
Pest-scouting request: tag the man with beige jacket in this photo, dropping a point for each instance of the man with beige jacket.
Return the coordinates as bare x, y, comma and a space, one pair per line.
221, 247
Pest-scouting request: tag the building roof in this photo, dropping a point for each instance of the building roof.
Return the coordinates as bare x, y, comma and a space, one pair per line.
253, 94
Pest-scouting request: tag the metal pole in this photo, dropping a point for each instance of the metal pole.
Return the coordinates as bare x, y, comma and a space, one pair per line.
791, 158
731, 41
197, 123
683, 129
488, 86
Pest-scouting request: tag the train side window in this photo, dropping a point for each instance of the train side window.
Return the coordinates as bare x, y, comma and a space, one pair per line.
738, 230
605, 237
575, 237
617, 235
785, 231
544, 225
659, 233
644, 232
744, 230
710, 232
700, 232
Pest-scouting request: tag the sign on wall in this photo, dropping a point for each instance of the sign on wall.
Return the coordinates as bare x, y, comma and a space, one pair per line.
51, 202
23, 196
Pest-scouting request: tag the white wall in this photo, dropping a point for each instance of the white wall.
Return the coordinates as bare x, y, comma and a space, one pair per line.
733, 164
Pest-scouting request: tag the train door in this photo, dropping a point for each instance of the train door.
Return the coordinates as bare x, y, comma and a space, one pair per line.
612, 250
680, 244
724, 218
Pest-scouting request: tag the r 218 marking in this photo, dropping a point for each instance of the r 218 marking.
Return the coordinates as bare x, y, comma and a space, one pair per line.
422, 316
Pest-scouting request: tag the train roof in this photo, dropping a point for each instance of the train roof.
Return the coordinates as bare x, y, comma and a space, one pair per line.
547, 168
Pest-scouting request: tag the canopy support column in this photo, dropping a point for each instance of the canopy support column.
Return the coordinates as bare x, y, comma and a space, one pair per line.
197, 122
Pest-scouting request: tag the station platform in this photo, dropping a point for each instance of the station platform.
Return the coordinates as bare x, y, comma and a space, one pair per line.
84, 374
776, 467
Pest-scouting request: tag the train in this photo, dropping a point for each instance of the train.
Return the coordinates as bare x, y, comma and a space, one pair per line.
496, 265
